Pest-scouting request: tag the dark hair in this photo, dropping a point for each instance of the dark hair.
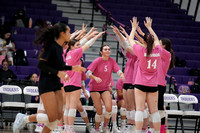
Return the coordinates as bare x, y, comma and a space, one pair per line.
30, 75
148, 38
4, 30
168, 47
102, 46
71, 42
4, 60
47, 36
82, 62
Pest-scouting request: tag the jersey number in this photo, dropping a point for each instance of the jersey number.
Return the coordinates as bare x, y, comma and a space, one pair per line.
105, 69
153, 64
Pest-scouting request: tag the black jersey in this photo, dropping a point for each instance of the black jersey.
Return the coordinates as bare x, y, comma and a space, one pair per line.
53, 55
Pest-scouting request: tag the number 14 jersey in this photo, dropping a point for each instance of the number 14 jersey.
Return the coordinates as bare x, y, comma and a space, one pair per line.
147, 68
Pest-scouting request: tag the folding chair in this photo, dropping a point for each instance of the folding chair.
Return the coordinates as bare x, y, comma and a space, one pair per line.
30, 91
176, 112
11, 104
190, 113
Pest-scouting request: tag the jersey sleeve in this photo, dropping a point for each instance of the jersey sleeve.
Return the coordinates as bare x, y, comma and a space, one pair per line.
93, 65
115, 66
137, 49
166, 55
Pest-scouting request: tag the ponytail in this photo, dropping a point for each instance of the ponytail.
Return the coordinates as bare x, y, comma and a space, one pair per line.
47, 36
72, 42
171, 66
148, 38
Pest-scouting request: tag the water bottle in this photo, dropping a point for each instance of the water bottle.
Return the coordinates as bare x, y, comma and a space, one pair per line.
87, 102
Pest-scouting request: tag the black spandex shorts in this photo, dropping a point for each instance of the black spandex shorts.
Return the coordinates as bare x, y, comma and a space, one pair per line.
128, 86
100, 92
161, 91
146, 88
43, 90
71, 88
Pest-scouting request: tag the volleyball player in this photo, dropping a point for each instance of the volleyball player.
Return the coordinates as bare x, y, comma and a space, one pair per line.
100, 71
128, 88
146, 78
51, 67
73, 87
167, 62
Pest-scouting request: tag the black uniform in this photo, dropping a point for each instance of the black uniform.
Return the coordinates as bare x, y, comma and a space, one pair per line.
49, 81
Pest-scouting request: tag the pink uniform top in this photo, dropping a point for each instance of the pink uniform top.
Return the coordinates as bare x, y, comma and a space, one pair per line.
72, 59
163, 67
64, 51
119, 86
102, 69
112, 83
147, 67
129, 69
83, 76
135, 71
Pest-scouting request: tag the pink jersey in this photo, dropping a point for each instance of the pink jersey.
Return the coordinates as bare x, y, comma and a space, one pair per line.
83, 76
64, 51
147, 67
72, 59
102, 69
129, 67
135, 71
119, 86
163, 67
112, 83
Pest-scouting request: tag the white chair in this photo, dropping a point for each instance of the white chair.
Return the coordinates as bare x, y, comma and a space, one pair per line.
31, 91
176, 112
189, 113
10, 103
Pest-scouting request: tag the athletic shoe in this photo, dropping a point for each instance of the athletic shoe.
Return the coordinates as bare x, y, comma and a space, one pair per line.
19, 123
106, 129
124, 129
66, 131
92, 130
116, 130
38, 128
72, 131
97, 131
131, 129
